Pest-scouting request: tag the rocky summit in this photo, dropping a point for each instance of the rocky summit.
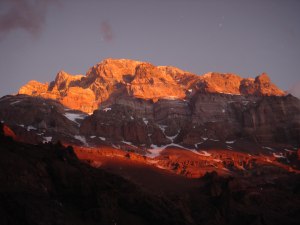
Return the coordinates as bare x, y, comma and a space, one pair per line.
119, 78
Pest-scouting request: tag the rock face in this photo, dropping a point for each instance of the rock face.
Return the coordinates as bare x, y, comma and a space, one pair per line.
37, 120
114, 78
144, 105
204, 120
204, 117
148, 106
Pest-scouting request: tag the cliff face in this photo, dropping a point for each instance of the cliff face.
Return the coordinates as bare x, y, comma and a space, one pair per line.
114, 78
135, 105
201, 121
204, 117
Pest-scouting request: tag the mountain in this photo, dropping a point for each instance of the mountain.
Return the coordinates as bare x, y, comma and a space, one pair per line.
144, 101
146, 113
134, 143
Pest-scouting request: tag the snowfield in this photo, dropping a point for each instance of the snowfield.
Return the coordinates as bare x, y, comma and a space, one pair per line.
74, 116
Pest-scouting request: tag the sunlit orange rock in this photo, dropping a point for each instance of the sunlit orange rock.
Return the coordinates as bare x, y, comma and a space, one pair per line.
150, 83
118, 78
34, 88
9, 133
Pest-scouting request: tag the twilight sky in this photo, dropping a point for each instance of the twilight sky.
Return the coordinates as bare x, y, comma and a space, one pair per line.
40, 37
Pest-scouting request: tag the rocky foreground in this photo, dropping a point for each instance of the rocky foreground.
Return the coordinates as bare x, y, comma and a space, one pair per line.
47, 184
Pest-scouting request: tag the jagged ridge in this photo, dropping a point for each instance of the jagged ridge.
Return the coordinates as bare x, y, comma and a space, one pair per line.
113, 78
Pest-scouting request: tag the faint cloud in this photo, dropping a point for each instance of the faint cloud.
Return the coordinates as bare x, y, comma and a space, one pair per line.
28, 15
106, 32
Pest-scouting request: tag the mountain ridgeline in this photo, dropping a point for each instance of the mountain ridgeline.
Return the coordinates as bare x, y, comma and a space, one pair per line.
121, 100
118, 78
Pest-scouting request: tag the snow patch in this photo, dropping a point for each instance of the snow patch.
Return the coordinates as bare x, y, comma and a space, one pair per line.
155, 150
102, 138
172, 138
205, 153
47, 139
230, 142
199, 143
289, 151
115, 146
16, 102
74, 117
131, 117
92, 136
163, 128
217, 160
129, 143
279, 155
204, 138
106, 109
268, 148
214, 140
29, 128
145, 121
81, 138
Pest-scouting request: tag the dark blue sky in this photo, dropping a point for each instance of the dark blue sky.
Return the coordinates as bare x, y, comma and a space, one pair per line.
40, 37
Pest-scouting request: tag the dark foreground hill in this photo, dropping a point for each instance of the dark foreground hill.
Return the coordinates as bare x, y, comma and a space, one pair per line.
47, 184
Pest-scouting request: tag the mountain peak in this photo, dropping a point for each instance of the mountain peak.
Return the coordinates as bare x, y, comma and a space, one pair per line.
114, 78
264, 86
263, 78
